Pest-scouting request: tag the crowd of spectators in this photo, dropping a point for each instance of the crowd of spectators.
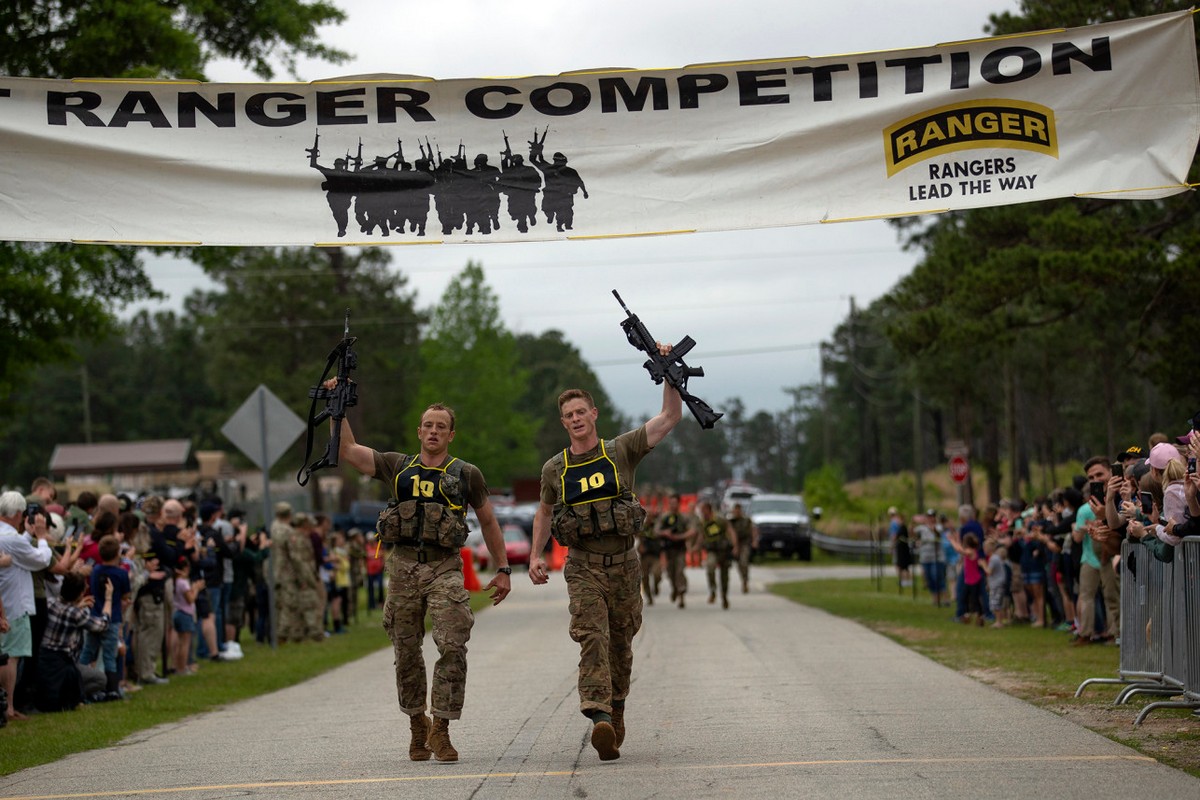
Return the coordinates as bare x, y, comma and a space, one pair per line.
109, 594
1056, 561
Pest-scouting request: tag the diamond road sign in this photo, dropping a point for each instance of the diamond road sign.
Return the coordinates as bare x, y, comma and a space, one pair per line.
263, 428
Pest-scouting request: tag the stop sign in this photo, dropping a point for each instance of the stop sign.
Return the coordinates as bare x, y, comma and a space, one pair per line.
959, 469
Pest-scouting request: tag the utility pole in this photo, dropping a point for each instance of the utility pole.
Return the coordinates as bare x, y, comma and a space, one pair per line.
918, 462
87, 404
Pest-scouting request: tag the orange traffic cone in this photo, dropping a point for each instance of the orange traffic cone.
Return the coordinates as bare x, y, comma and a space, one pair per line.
558, 555
470, 579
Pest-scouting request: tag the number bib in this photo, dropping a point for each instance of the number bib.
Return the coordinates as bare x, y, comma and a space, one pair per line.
714, 534
429, 484
427, 507
590, 481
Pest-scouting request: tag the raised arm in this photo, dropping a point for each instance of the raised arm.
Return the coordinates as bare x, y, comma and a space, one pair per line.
361, 457
664, 421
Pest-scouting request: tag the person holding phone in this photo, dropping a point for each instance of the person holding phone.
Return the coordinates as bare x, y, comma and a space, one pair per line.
1096, 574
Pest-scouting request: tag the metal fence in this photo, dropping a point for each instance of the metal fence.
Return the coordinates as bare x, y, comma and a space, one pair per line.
1160, 639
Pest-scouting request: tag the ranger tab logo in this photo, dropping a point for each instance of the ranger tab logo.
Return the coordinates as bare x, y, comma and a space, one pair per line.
970, 125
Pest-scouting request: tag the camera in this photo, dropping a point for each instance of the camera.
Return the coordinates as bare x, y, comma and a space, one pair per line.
1147, 502
1096, 490
1191, 467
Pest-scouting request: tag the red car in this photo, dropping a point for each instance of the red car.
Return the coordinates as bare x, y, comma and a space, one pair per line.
516, 545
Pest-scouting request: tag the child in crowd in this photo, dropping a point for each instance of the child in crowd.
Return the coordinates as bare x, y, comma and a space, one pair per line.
974, 571
106, 643
63, 683
997, 582
184, 618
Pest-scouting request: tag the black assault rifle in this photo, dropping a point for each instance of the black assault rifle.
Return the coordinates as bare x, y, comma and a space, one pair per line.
669, 368
337, 400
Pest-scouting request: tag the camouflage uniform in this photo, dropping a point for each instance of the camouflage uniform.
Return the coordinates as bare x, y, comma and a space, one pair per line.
650, 547
676, 553
716, 542
743, 530
427, 577
298, 591
598, 523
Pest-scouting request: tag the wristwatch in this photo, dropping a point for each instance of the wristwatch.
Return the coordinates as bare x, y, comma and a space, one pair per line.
505, 570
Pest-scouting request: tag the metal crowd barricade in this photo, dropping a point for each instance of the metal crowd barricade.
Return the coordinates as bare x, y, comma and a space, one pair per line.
1160, 638
1146, 625
1182, 660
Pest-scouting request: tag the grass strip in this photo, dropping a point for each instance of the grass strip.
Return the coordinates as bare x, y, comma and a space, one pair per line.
44, 738
1035, 664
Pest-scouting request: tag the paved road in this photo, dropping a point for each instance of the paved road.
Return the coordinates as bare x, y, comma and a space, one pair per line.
765, 700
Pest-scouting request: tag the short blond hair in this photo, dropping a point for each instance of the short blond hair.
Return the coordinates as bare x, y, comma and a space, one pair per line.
575, 394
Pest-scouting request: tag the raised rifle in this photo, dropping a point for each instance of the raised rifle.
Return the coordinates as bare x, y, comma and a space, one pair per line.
314, 152
669, 368
358, 158
506, 153
337, 400
399, 153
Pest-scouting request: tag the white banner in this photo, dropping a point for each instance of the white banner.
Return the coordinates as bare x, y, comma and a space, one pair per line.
1109, 111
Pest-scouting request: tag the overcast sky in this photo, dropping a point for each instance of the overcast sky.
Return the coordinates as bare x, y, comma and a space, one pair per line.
758, 303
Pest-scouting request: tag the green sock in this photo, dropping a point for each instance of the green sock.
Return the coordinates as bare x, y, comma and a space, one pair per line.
601, 716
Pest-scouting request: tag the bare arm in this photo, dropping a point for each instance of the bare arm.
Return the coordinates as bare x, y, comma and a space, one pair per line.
494, 540
541, 535
359, 456
662, 423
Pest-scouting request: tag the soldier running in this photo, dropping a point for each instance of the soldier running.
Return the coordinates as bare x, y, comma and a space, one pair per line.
673, 532
719, 542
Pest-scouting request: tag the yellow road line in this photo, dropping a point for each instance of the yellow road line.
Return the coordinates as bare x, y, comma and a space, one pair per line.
571, 773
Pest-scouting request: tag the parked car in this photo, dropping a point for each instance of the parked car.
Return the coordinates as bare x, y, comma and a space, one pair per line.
737, 492
783, 525
516, 546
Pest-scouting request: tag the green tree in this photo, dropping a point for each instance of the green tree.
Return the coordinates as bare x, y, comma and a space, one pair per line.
279, 315
554, 365
1051, 330
63, 293
138, 383
470, 362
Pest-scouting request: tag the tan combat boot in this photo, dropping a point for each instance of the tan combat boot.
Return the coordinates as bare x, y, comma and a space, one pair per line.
618, 723
439, 740
418, 746
604, 739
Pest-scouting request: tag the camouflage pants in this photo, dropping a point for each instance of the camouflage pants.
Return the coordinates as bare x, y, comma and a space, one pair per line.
652, 573
743, 562
718, 560
301, 613
606, 612
676, 562
436, 588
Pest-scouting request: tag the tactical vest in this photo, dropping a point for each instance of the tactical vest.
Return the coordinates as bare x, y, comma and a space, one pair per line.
676, 523
427, 507
714, 534
593, 503
652, 545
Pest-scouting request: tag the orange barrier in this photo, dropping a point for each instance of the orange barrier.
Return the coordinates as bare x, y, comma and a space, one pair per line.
558, 555
470, 579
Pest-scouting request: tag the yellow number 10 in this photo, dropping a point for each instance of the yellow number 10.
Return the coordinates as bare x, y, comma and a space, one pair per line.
595, 481
421, 487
